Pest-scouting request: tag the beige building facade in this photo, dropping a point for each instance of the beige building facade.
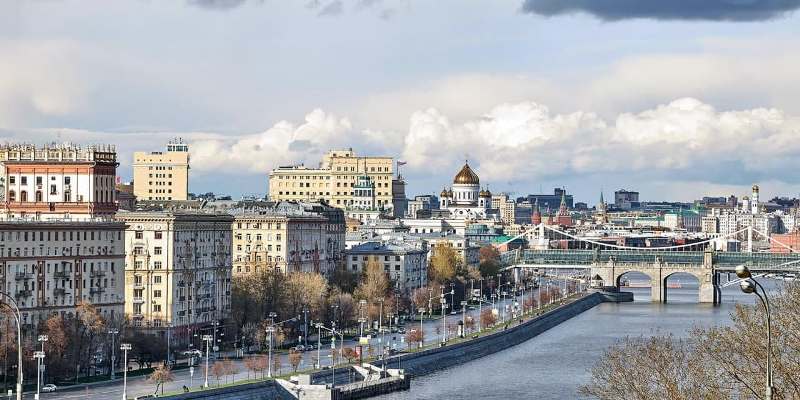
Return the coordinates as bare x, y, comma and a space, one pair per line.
51, 267
177, 272
162, 175
334, 180
293, 237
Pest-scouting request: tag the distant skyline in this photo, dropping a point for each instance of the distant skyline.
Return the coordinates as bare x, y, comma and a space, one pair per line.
676, 100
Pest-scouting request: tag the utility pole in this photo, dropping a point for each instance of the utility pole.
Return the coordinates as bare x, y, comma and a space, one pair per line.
207, 339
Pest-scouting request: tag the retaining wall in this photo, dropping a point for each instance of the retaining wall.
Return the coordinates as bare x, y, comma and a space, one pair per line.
428, 361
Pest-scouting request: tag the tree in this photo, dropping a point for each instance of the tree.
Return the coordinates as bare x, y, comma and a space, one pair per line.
231, 370
349, 354
470, 324
374, 283
295, 357
415, 336
488, 318
445, 263
713, 363
161, 375
218, 370
489, 261
344, 279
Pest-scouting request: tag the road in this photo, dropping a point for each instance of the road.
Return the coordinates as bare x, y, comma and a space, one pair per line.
139, 386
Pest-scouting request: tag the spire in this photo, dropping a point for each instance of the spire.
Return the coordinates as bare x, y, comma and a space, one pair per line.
601, 197
562, 209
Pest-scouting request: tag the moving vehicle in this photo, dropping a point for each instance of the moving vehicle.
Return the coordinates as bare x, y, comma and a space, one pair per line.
49, 388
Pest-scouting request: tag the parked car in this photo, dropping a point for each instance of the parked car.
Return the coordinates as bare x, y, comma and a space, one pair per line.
299, 348
49, 388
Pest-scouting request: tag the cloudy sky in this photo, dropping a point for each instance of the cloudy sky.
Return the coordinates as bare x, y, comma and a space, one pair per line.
676, 99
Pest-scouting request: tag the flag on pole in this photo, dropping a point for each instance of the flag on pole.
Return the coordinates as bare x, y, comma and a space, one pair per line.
399, 163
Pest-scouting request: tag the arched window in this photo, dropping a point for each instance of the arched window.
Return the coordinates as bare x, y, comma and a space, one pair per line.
38, 196
23, 196
12, 195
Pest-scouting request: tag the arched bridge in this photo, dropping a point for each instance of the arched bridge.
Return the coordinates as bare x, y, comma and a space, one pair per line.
610, 262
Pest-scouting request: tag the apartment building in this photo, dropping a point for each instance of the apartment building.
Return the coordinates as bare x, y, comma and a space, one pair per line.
177, 271
51, 267
335, 180
57, 181
162, 175
290, 236
405, 264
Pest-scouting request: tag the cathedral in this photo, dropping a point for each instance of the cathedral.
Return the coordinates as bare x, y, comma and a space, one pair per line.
465, 199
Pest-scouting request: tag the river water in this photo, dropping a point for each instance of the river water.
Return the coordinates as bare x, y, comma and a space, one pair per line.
555, 364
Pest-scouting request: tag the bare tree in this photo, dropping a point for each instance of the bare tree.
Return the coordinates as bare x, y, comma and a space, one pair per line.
161, 375
713, 363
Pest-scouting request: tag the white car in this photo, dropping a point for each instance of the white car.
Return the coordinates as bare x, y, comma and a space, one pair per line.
49, 388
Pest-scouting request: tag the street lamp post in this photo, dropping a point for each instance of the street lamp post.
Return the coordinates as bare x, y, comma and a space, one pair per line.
18, 318
40, 370
38, 356
214, 325
750, 285
125, 347
464, 318
169, 353
113, 332
207, 339
421, 331
270, 331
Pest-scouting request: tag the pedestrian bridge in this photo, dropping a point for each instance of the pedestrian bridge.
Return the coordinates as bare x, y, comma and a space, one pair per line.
611, 262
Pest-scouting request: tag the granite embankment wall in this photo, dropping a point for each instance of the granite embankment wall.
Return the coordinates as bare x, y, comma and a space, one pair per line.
425, 362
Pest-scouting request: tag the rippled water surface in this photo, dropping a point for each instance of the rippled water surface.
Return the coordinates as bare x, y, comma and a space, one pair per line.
554, 364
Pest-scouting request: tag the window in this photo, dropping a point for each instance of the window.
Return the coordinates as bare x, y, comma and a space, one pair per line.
23, 180
53, 189
157, 250
157, 234
157, 308
66, 180
157, 279
12, 180
156, 293
139, 235
157, 265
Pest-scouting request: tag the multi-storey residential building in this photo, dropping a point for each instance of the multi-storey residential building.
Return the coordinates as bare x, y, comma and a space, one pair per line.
404, 263
294, 237
506, 207
51, 267
626, 199
334, 181
162, 175
177, 271
57, 181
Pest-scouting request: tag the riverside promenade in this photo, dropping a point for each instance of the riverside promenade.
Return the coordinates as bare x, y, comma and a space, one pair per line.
429, 359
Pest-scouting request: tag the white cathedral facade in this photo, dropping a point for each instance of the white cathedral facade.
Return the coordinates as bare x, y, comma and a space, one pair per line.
465, 199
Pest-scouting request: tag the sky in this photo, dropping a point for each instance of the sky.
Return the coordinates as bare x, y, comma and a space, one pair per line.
677, 100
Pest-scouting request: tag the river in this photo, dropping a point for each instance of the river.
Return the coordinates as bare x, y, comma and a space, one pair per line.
555, 364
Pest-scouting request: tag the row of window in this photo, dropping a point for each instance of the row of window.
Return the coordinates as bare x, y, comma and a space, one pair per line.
55, 236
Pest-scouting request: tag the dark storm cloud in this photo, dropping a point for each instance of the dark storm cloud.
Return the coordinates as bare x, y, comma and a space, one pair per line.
707, 10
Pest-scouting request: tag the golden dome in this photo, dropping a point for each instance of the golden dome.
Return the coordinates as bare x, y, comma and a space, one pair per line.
485, 193
466, 176
444, 193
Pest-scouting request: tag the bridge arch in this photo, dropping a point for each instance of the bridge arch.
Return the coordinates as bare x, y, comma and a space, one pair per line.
676, 279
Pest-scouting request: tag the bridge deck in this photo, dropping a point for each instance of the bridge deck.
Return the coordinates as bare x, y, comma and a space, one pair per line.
721, 260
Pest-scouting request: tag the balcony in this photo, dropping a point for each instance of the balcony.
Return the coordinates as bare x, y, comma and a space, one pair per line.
59, 292
23, 276
138, 285
138, 299
61, 275
25, 293
137, 315
96, 290
97, 274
